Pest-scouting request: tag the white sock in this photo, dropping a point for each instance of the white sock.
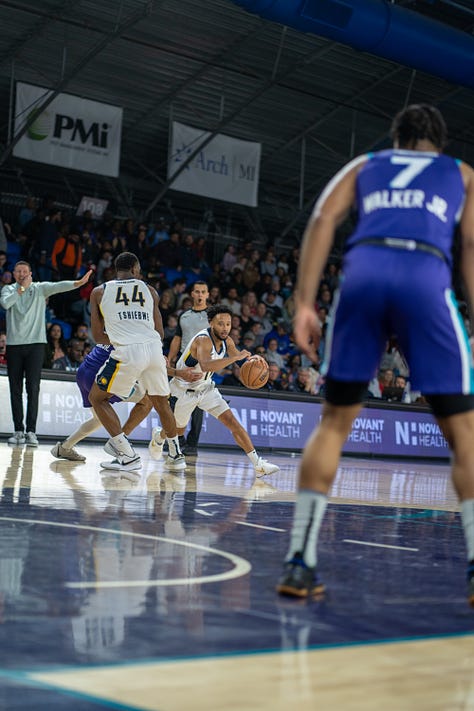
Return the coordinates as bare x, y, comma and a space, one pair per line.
173, 445
467, 518
87, 428
253, 456
307, 519
123, 445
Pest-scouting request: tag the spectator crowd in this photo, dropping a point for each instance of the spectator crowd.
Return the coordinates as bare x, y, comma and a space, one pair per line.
256, 284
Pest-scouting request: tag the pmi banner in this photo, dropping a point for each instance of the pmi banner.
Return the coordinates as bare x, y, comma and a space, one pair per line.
72, 132
277, 424
226, 169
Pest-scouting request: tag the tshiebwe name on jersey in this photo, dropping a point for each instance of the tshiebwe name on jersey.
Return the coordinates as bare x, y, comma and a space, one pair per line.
133, 315
381, 199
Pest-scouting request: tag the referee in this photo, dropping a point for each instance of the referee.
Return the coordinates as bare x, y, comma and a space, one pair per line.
191, 322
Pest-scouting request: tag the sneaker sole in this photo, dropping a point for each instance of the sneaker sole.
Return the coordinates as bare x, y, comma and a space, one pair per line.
301, 592
176, 467
131, 467
260, 474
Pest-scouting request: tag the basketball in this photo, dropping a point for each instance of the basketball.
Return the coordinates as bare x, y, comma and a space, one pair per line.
254, 372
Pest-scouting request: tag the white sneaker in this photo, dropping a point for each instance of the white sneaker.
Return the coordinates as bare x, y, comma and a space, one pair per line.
110, 448
31, 439
155, 449
61, 452
263, 467
122, 463
17, 438
176, 463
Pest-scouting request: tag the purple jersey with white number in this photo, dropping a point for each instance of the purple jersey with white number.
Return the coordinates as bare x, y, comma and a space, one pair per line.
409, 195
387, 291
85, 375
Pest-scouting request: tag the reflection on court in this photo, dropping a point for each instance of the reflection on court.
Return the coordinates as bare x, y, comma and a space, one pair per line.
155, 591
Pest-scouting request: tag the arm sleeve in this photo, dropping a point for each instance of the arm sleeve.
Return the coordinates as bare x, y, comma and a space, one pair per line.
48, 288
9, 296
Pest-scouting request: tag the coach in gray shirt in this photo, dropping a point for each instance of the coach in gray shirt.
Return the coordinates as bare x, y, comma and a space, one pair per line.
25, 303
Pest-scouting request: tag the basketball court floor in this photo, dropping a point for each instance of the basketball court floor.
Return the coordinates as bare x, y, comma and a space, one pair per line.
156, 591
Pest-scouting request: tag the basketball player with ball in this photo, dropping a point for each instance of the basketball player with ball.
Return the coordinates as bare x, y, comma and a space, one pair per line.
207, 352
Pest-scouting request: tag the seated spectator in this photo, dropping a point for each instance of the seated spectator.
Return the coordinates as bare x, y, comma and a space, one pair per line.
73, 358
174, 292
325, 297
236, 336
292, 366
263, 318
273, 309
248, 341
235, 280
233, 379
268, 265
215, 296
232, 300
165, 305
306, 381
105, 262
3, 262
251, 272
273, 382
189, 259
235, 322
250, 298
82, 332
285, 382
289, 308
281, 332
66, 257
56, 346
3, 348
383, 379
169, 252
229, 260
394, 359
246, 319
169, 332
158, 233
256, 329
272, 354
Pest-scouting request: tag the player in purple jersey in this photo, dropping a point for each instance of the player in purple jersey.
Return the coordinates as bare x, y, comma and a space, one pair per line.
85, 377
397, 280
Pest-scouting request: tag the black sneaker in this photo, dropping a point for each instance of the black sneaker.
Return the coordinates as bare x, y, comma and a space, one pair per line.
470, 583
298, 580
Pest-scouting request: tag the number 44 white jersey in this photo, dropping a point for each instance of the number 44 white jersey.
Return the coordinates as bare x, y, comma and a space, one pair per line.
127, 308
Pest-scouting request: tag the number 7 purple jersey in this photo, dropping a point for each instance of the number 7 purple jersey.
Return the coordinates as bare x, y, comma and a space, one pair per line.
409, 195
386, 291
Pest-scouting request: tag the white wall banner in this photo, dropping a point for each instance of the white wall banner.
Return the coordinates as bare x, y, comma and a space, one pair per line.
226, 169
72, 132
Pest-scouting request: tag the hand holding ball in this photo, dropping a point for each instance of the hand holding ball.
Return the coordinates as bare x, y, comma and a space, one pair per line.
254, 372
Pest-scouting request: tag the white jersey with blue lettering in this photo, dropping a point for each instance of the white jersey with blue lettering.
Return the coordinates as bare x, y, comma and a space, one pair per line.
127, 308
186, 360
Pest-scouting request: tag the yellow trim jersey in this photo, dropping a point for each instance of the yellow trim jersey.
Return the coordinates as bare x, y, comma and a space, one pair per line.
127, 308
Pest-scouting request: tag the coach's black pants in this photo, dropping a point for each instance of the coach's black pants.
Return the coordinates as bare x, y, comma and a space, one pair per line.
25, 362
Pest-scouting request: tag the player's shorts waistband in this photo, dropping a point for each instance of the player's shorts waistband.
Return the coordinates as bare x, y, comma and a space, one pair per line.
409, 245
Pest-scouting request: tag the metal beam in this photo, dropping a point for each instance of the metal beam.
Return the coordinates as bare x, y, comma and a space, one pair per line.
132, 19
307, 59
